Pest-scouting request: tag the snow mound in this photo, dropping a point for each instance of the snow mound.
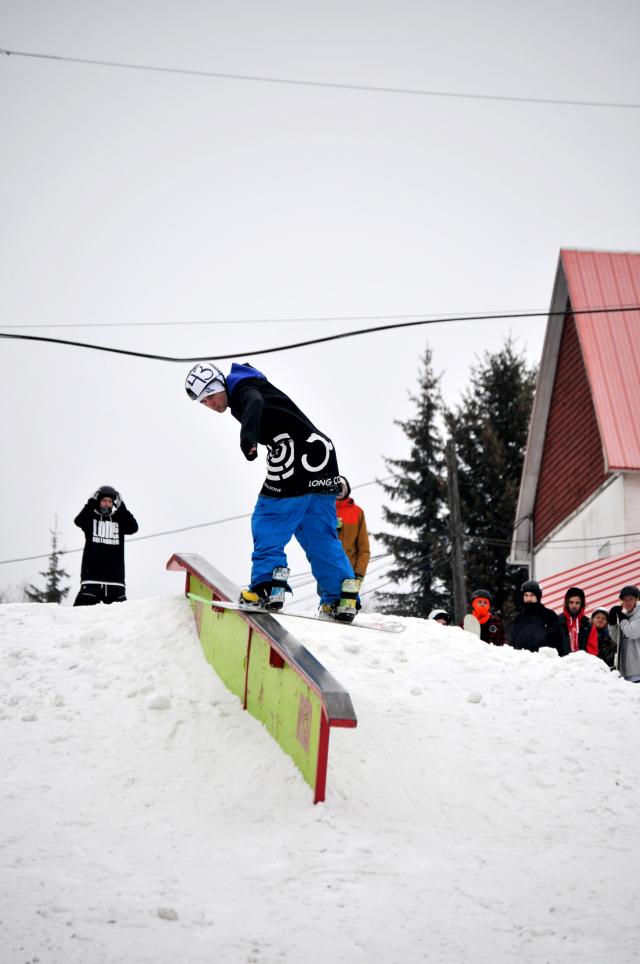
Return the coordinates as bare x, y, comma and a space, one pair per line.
483, 810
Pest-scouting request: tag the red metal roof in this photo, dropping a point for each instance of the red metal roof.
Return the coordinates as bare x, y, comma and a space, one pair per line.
610, 346
601, 581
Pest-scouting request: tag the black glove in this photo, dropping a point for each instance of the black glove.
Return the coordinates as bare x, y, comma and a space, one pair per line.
117, 502
249, 449
615, 613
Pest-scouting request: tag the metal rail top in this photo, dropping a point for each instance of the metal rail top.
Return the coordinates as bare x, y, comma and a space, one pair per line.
335, 699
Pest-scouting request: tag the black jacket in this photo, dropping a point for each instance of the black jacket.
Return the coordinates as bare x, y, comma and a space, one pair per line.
301, 459
535, 626
103, 556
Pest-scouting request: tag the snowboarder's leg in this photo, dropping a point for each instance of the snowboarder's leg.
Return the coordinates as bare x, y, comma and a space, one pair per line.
272, 524
317, 535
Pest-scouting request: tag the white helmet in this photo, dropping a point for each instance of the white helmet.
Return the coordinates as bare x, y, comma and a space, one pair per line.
203, 380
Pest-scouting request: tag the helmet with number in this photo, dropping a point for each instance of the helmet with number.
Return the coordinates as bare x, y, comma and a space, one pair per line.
203, 380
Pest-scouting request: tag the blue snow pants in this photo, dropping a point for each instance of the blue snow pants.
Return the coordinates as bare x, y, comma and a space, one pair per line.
312, 520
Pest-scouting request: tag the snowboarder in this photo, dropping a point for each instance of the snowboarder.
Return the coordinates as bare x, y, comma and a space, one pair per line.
440, 616
534, 626
105, 521
298, 494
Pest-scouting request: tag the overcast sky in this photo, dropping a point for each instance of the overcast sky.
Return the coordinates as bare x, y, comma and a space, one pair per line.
131, 196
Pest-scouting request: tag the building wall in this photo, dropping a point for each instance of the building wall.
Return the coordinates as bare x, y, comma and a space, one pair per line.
612, 511
572, 465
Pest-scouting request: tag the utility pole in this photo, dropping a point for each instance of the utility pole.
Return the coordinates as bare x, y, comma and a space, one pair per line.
455, 530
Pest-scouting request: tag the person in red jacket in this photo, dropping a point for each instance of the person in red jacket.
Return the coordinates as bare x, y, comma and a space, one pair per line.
491, 626
352, 530
576, 631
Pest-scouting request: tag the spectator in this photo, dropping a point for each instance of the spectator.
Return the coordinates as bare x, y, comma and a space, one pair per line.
491, 626
625, 631
534, 626
440, 616
606, 646
576, 631
105, 521
352, 530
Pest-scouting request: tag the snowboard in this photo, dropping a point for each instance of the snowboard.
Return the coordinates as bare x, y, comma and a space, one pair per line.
393, 627
471, 625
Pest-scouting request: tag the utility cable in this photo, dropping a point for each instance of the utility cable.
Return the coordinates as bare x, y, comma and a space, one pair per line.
170, 532
318, 341
326, 85
238, 321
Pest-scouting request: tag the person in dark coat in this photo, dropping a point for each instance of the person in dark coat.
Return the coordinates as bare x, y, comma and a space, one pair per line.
534, 626
576, 630
491, 626
606, 646
105, 521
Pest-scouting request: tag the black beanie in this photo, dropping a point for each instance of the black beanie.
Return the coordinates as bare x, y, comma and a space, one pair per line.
531, 586
630, 591
481, 594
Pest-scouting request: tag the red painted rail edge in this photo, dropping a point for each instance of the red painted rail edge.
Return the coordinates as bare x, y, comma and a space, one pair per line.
337, 708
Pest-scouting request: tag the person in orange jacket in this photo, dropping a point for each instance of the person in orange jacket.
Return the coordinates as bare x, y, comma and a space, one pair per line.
352, 530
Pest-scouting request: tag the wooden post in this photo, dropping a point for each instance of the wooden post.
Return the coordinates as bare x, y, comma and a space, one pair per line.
455, 530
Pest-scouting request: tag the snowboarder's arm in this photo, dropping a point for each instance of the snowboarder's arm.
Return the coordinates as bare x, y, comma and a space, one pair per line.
252, 409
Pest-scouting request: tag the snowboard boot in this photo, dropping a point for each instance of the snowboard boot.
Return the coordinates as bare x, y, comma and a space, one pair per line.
267, 595
344, 610
275, 600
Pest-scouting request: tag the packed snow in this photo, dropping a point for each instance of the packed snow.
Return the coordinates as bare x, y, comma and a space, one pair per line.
484, 810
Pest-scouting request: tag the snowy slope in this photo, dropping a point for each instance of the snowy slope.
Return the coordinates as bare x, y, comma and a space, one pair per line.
485, 809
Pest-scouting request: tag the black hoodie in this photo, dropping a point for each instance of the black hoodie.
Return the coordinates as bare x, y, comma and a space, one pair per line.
103, 556
535, 626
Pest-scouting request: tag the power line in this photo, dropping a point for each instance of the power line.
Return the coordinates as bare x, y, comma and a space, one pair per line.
233, 321
325, 338
566, 543
170, 532
325, 85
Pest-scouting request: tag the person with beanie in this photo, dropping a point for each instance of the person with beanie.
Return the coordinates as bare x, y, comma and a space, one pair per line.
624, 621
606, 646
576, 631
298, 495
105, 521
352, 530
491, 626
534, 626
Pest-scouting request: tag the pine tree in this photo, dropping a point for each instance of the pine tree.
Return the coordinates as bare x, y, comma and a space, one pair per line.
53, 591
490, 431
421, 555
